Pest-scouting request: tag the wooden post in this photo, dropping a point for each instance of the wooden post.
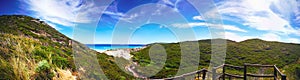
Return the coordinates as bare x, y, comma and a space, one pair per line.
223, 72
245, 72
283, 77
214, 73
204, 74
198, 74
275, 73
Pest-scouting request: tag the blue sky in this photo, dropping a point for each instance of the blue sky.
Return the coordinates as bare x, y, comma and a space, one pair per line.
140, 21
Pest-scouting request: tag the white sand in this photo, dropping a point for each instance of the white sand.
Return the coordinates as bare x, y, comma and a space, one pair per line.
125, 53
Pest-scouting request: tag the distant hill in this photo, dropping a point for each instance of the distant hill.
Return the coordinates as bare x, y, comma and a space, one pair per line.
255, 51
31, 49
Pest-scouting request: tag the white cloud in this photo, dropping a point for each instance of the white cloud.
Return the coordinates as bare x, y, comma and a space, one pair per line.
63, 12
54, 26
274, 23
233, 28
188, 25
272, 16
270, 37
162, 7
113, 13
293, 40
266, 37
122, 16
130, 18
168, 2
297, 18
297, 13
198, 18
263, 15
202, 24
236, 37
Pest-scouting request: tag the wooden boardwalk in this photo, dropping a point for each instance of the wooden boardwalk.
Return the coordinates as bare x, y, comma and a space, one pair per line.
205, 74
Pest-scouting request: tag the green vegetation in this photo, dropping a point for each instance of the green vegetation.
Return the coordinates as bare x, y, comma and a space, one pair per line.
31, 49
285, 55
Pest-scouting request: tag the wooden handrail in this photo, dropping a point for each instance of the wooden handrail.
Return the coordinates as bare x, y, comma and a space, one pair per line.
188, 74
259, 75
280, 73
218, 76
258, 65
219, 66
283, 76
232, 66
236, 76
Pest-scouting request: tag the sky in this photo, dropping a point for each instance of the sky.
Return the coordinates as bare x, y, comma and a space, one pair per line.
150, 21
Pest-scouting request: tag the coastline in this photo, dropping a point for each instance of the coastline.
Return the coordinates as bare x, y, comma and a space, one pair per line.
121, 52
125, 53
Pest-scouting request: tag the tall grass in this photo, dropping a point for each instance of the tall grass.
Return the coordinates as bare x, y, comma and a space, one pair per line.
24, 58
22, 65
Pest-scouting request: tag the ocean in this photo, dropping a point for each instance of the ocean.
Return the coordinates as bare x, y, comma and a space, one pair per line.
105, 47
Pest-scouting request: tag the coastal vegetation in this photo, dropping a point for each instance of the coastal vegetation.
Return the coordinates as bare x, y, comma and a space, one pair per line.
31, 49
254, 51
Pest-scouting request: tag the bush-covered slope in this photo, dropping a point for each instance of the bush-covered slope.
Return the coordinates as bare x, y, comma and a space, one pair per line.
31, 49
285, 55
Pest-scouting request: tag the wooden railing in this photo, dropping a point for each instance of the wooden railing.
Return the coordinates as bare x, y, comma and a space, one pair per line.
276, 70
231, 75
203, 73
200, 74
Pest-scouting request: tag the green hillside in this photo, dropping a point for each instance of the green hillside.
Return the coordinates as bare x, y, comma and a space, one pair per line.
255, 51
31, 49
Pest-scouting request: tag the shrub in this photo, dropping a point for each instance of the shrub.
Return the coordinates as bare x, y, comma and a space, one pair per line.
43, 70
43, 66
60, 62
